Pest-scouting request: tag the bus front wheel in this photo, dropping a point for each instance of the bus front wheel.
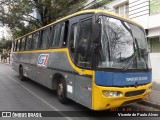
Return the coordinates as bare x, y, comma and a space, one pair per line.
21, 76
61, 91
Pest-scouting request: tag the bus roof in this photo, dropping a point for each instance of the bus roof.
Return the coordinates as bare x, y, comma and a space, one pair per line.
84, 12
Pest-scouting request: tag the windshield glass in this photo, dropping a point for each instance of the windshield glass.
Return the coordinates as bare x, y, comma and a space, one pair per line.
123, 45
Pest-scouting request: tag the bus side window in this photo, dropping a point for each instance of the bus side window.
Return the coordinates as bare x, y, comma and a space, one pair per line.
62, 35
56, 34
65, 34
14, 45
51, 36
73, 39
28, 42
18, 45
83, 51
15, 48
35, 41
44, 40
23, 44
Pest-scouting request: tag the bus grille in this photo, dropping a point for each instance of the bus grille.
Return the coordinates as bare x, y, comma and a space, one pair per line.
134, 93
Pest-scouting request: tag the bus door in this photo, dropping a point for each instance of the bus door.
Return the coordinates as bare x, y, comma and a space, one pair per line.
80, 52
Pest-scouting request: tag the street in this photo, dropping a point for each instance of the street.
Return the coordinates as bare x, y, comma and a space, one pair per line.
16, 95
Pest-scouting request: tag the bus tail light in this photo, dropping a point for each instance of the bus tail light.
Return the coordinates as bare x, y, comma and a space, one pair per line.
112, 93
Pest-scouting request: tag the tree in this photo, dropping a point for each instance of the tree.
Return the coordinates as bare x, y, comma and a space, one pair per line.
15, 12
18, 14
5, 44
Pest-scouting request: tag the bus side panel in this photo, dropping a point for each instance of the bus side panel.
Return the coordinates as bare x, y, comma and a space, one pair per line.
35, 72
83, 90
58, 62
24, 60
15, 64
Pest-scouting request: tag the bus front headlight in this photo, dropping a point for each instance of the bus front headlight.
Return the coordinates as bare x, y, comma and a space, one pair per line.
112, 93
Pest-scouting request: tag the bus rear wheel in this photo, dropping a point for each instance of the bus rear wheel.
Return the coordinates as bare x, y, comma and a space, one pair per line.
61, 91
21, 76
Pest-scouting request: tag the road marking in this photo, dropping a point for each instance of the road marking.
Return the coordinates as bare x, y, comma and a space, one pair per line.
51, 106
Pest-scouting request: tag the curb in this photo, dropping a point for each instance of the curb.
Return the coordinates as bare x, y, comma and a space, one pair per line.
150, 104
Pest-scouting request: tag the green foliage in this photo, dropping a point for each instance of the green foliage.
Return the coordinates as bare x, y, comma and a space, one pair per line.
18, 14
6, 44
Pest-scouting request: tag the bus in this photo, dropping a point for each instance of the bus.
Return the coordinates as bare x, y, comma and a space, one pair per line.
93, 57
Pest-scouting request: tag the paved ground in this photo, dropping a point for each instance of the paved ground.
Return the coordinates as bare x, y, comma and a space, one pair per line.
154, 98
16, 95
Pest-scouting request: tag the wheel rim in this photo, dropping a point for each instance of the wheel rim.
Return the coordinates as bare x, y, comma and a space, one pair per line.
60, 90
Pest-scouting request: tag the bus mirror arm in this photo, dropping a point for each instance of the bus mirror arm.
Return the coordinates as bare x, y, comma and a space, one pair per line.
96, 32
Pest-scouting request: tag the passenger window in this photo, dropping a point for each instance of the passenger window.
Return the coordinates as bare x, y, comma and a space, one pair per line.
18, 45
28, 43
73, 39
23, 43
15, 48
83, 51
35, 40
45, 38
62, 35
57, 35
14, 45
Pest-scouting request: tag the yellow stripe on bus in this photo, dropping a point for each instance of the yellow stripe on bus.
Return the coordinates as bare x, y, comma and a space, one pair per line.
79, 70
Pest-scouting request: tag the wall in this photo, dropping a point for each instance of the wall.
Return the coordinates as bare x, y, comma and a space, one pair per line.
155, 62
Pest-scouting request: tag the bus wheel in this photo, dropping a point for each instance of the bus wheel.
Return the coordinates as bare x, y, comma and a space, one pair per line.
21, 76
61, 91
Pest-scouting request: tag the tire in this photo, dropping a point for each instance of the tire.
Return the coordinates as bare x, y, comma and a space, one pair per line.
61, 91
21, 76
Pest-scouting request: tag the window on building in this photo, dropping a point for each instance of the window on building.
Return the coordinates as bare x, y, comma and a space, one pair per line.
122, 9
155, 45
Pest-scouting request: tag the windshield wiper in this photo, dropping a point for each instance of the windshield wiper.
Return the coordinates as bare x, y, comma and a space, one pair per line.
132, 58
143, 55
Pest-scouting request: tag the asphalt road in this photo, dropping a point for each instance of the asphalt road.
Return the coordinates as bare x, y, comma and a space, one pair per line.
16, 95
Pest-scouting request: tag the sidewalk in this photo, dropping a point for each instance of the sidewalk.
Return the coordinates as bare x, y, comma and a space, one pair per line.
154, 99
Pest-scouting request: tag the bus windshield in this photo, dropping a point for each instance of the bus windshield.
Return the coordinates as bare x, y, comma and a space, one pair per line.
123, 45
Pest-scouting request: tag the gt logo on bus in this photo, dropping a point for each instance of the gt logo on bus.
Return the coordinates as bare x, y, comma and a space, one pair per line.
42, 60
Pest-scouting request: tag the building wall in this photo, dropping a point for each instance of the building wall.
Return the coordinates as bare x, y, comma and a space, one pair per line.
155, 45
155, 62
139, 11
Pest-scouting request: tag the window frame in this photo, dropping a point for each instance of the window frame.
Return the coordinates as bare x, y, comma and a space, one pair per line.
30, 43
24, 47
61, 36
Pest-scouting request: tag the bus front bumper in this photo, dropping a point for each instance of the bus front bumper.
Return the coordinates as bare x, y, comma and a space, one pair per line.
129, 95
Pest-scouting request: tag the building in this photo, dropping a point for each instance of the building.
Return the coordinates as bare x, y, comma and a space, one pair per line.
146, 13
